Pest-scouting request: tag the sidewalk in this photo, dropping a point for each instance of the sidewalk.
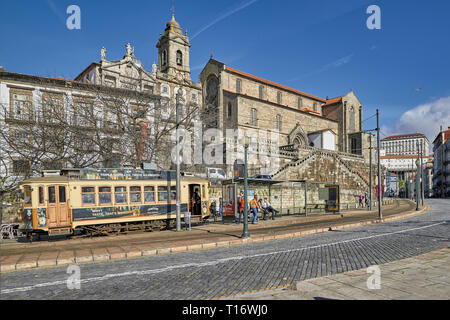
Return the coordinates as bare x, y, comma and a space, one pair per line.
418, 278
22, 256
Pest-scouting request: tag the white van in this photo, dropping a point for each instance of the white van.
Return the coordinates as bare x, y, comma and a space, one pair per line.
216, 173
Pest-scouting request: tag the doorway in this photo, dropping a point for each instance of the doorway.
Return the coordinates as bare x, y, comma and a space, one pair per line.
57, 208
195, 200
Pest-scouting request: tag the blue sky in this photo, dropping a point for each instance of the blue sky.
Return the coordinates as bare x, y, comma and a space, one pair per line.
322, 47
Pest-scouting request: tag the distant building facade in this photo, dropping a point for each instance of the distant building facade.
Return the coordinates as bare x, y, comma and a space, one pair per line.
441, 175
402, 151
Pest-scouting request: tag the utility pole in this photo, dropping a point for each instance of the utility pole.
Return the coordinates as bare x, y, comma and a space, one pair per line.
370, 173
245, 233
177, 119
380, 216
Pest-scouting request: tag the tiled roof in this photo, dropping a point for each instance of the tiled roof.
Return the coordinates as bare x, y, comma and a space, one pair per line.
333, 101
308, 110
59, 78
274, 84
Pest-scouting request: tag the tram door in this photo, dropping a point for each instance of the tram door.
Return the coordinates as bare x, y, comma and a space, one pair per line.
57, 208
195, 200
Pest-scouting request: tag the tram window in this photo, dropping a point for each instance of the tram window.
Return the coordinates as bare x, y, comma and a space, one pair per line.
203, 191
120, 194
173, 193
41, 195
162, 194
27, 195
149, 194
135, 195
104, 195
62, 194
88, 195
51, 195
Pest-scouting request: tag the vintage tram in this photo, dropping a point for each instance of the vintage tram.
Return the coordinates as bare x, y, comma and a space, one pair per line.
109, 201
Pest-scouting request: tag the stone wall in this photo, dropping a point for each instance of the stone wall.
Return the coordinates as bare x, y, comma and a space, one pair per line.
350, 172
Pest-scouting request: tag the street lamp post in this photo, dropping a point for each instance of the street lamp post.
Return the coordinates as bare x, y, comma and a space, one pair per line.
245, 233
177, 119
380, 215
417, 177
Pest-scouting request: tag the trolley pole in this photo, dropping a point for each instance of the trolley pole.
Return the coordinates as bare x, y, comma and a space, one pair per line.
380, 215
245, 233
177, 119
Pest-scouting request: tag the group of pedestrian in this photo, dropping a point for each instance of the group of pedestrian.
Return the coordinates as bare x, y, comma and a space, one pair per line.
363, 198
255, 207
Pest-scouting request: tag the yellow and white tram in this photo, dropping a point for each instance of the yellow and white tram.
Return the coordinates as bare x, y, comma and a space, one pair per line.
109, 201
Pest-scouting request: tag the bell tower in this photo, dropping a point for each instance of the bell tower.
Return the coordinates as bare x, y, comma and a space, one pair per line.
173, 52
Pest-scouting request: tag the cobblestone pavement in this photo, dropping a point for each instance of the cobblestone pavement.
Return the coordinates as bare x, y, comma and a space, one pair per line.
236, 270
423, 277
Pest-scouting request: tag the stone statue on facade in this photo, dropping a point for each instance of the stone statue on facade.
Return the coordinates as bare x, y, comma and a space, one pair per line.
129, 50
103, 54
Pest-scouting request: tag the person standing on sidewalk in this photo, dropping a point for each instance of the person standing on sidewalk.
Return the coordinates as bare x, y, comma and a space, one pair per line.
241, 206
366, 199
360, 200
255, 207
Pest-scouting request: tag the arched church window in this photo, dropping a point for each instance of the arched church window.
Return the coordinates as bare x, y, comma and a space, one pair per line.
179, 58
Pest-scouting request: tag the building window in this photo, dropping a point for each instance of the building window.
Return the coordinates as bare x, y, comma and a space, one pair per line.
52, 108
261, 92
149, 194
179, 58
162, 194
279, 97
120, 194
230, 110
299, 103
104, 195
173, 193
238, 85
21, 167
87, 195
315, 106
135, 195
20, 105
253, 116
278, 122
41, 195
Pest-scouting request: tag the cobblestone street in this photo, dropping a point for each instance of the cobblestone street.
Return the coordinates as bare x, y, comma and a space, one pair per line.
226, 272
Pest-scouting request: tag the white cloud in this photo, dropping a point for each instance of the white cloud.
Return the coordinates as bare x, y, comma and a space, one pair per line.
426, 118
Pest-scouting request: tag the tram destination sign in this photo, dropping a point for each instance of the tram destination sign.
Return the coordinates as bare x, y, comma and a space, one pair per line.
125, 174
